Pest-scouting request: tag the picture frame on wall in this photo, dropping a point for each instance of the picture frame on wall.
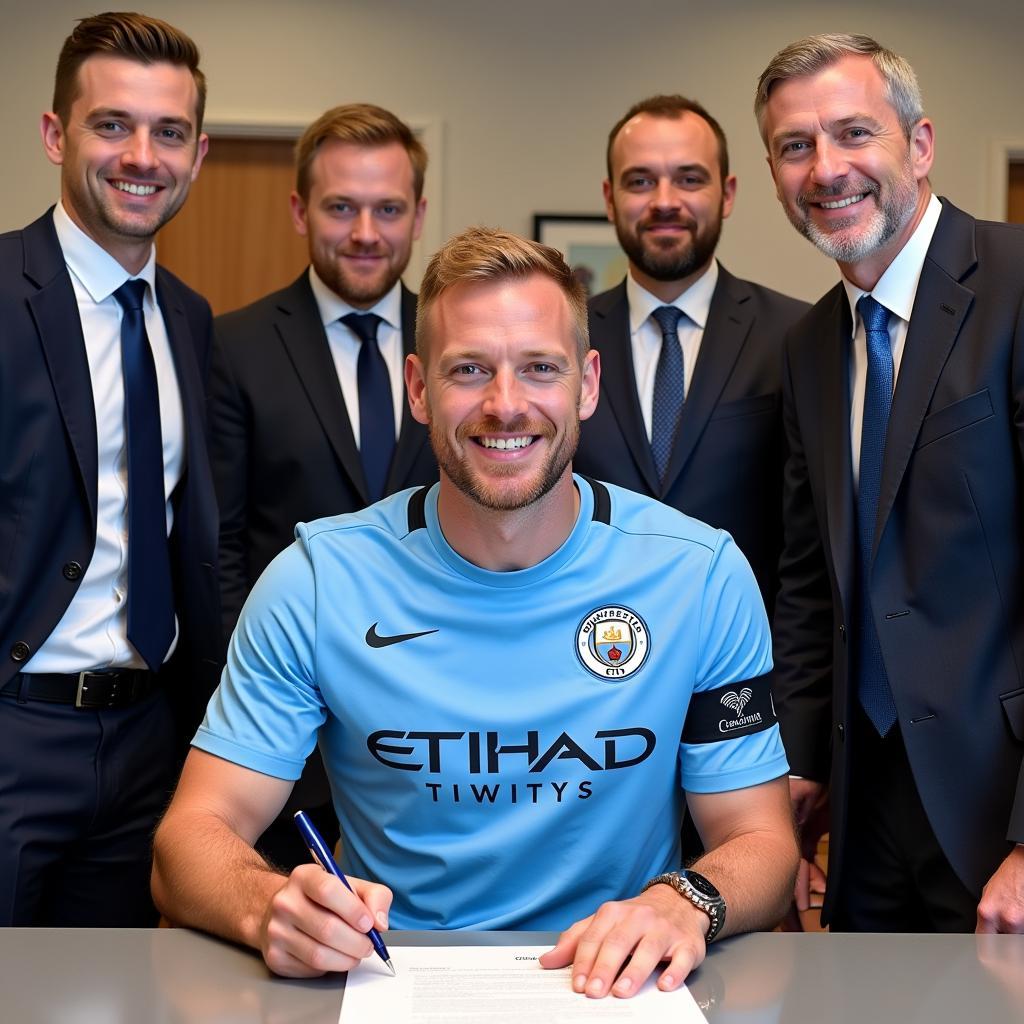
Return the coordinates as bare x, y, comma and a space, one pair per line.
589, 245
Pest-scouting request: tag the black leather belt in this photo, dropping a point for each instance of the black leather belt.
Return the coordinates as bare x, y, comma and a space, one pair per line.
117, 688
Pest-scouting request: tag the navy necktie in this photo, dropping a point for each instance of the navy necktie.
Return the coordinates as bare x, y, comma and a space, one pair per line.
669, 382
872, 681
150, 591
376, 406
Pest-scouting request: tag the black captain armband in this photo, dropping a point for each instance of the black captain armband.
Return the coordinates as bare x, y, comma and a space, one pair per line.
739, 709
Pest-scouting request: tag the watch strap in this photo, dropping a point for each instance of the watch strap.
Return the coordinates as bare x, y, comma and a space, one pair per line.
714, 908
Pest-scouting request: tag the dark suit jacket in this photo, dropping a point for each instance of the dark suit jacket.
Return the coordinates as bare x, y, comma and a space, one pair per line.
48, 464
726, 468
947, 576
281, 442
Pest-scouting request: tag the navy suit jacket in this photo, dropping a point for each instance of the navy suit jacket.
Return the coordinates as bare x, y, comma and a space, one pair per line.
48, 464
726, 467
947, 573
281, 442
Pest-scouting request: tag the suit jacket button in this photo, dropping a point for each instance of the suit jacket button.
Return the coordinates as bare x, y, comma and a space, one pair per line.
842, 633
72, 571
841, 730
20, 651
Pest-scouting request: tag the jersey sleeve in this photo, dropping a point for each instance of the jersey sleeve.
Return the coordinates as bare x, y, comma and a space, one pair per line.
731, 738
267, 709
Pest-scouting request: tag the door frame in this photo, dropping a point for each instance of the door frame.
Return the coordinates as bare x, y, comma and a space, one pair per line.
1003, 151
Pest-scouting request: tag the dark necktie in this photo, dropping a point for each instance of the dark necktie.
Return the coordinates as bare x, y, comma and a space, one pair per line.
872, 681
150, 591
376, 406
669, 381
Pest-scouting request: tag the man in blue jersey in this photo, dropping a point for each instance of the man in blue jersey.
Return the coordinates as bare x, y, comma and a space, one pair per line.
514, 677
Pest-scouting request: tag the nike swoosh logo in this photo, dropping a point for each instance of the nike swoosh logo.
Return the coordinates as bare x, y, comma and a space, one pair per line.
374, 639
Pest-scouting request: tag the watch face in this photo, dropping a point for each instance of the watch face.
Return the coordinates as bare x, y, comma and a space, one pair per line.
701, 884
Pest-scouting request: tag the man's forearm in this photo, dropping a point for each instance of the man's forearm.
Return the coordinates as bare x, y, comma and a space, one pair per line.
755, 874
752, 853
208, 877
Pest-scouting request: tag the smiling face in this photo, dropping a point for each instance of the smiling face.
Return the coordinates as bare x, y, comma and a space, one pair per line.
845, 172
129, 152
361, 218
667, 199
502, 389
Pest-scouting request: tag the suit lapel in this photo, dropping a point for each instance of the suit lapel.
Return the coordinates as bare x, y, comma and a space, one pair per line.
939, 310
302, 334
55, 311
190, 384
611, 337
726, 331
411, 435
835, 443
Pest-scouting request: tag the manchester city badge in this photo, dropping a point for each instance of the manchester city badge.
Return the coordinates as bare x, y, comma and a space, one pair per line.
612, 642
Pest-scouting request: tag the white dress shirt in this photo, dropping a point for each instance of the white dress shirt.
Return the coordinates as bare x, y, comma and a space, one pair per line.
645, 334
896, 290
345, 344
93, 632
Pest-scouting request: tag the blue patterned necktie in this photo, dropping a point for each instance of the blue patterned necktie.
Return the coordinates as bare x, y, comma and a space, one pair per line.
376, 406
872, 681
150, 591
669, 382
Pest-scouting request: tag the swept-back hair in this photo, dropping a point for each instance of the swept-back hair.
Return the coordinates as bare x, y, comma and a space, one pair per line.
362, 124
132, 36
815, 53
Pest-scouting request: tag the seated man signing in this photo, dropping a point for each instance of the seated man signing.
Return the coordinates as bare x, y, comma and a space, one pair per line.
515, 677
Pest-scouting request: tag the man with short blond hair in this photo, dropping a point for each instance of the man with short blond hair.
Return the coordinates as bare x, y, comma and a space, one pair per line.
307, 405
109, 621
505, 670
899, 628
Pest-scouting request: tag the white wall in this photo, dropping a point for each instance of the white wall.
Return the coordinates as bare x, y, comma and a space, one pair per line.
526, 90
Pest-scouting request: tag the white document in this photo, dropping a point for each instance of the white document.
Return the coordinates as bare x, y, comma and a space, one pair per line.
492, 985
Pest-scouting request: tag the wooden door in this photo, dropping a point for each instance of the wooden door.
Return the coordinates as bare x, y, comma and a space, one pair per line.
1015, 192
233, 241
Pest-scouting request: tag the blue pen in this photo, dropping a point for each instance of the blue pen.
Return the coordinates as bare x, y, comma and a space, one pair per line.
318, 848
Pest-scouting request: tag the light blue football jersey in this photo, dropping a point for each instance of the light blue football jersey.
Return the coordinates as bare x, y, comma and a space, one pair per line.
504, 748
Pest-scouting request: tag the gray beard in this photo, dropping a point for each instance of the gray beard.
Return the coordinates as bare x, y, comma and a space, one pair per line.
887, 221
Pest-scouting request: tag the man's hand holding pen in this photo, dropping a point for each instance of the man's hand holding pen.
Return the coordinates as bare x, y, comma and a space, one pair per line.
313, 924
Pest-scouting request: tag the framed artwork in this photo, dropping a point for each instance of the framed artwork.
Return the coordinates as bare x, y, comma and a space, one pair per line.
588, 243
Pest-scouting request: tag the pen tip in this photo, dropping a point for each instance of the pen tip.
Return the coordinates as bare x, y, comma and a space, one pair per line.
391, 968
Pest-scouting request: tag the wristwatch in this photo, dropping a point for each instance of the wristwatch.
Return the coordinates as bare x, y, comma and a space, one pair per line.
700, 892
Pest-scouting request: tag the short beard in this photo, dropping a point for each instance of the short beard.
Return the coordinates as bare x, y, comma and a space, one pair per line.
668, 264
885, 223
355, 293
457, 470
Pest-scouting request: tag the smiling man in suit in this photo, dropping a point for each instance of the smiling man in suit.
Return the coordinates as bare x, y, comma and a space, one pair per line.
109, 624
690, 408
308, 410
899, 626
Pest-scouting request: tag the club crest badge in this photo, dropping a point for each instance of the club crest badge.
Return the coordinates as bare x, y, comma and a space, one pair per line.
612, 642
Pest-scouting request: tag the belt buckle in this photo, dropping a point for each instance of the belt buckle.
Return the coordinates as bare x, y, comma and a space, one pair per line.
82, 693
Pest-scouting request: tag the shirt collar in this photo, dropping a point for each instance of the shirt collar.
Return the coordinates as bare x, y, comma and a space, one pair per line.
897, 287
97, 271
333, 307
695, 302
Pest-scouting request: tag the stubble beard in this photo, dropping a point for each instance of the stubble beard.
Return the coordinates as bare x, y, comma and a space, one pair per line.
361, 294
497, 498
